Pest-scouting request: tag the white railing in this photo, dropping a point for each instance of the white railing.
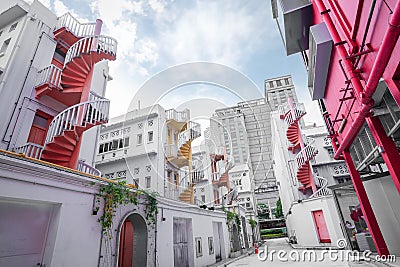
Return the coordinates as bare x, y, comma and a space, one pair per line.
215, 176
78, 115
299, 111
77, 28
193, 131
51, 75
306, 154
94, 97
31, 150
180, 116
88, 44
321, 183
171, 150
86, 168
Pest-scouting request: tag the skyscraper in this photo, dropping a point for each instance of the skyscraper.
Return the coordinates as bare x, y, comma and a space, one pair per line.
245, 131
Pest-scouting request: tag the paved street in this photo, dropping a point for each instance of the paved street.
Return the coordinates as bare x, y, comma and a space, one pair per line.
290, 256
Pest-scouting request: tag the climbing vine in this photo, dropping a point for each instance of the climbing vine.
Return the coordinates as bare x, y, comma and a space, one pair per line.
252, 223
115, 194
230, 216
151, 210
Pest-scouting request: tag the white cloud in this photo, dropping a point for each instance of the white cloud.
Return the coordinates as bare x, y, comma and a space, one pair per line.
157, 6
223, 32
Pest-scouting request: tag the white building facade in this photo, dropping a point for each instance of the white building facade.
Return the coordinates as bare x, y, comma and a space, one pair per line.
304, 168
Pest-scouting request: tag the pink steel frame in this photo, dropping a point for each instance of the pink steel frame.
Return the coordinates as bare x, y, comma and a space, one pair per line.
364, 95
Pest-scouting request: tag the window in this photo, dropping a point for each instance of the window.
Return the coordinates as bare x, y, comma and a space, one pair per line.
278, 83
203, 198
139, 139
115, 144
150, 136
199, 249
148, 168
271, 84
150, 122
101, 148
126, 141
286, 81
4, 46
13, 27
140, 125
136, 171
106, 147
148, 181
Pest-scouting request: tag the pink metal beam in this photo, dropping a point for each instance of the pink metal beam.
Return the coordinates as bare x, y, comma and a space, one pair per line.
381, 61
366, 207
390, 153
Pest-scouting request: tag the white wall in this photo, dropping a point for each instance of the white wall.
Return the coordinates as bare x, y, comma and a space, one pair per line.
302, 222
385, 202
73, 237
202, 226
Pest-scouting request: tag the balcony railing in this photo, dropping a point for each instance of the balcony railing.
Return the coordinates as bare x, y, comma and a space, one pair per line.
77, 28
98, 43
86, 168
30, 150
50, 75
180, 116
322, 184
299, 110
193, 131
306, 154
78, 115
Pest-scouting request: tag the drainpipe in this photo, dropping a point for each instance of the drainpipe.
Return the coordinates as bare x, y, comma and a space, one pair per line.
381, 61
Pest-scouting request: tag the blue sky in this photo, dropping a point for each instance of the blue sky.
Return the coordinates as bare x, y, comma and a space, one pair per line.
154, 35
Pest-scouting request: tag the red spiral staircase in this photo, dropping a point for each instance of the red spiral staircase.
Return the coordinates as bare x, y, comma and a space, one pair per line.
291, 115
70, 85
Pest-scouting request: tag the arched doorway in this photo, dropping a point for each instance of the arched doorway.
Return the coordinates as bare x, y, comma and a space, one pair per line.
133, 242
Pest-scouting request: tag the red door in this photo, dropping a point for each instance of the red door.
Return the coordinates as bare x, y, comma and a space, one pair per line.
39, 127
320, 224
126, 245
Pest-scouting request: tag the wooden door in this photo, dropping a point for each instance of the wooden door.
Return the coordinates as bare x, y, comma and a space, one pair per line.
38, 130
320, 224
126, 245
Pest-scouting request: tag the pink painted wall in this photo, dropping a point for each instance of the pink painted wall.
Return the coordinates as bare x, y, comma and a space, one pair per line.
336, 78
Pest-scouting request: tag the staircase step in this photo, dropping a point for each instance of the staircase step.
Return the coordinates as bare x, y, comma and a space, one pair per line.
67, 78
50, 156
56, 149
76, 65
62, 141
73, 72
71, 136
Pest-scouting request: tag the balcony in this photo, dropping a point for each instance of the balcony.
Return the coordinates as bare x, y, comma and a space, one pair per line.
30, 150
298, 17
86, 168
320, 56
48, 79
177, 119
69, 29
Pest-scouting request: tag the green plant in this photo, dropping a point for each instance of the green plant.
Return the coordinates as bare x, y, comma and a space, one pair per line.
252, 223
238, 222
279, 211
114, 194
151, 210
